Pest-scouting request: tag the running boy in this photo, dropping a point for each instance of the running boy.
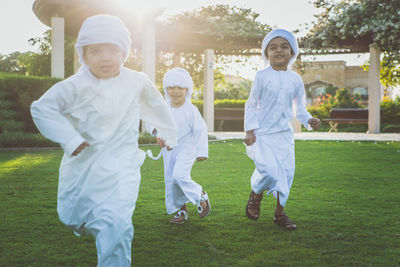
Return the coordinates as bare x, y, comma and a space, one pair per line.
94, 115
192, 146
268, 113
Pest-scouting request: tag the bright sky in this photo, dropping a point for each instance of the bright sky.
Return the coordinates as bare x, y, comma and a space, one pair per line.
18, 23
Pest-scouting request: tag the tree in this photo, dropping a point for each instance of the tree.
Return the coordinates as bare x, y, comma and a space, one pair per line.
359, 24
11, 63
39, 63
220, 22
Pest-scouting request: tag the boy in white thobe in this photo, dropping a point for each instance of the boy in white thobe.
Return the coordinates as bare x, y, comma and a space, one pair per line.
192, 145
94, 115
269, 135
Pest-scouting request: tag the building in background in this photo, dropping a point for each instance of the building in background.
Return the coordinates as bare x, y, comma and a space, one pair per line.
318, 76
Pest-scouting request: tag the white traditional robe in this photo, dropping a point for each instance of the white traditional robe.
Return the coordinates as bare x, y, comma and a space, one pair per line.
192, 143
268, 112
98, 188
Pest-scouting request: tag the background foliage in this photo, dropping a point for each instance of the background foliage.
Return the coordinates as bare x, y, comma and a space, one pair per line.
360, 24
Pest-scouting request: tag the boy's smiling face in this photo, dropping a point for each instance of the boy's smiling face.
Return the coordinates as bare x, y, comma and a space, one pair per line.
177, 95
104, 60
279, 53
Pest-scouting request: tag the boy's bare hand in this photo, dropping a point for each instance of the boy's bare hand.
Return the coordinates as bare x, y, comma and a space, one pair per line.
80, 148
315, 123
250, 138
200, 158
161, 143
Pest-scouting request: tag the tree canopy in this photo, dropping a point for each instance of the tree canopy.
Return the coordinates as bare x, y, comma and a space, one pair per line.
38, 63
359, 24
223, 22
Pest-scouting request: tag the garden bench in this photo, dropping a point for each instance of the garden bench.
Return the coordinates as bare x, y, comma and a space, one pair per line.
228, 114
347, 116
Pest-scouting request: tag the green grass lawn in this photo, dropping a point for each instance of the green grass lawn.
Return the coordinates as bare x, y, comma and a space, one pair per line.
345, 200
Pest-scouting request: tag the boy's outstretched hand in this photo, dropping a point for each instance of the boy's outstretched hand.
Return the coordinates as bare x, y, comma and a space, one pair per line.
250, 138
161, 143
80, 148
315, 123
200, 158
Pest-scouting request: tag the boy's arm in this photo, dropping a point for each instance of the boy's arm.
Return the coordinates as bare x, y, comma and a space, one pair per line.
200, 133
154, 110
302, 115
47, 116
250, 112
250, 108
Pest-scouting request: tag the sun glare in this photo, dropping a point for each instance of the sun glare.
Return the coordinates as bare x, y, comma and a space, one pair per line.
142, 6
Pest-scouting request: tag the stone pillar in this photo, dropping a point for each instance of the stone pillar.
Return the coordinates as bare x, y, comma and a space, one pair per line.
374, 91
57, 47
208, 104
149, 50
77, 64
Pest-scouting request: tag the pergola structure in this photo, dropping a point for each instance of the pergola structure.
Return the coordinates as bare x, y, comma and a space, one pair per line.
66, 17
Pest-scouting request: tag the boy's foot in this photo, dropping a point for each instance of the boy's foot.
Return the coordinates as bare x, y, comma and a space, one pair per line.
284, 221
253, 206
180, 217
203, 207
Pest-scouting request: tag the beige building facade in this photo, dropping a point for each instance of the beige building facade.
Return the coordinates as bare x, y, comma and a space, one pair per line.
318, 76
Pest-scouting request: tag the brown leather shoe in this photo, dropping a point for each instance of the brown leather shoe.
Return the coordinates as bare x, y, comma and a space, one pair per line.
253, 206
204, 206
180, 217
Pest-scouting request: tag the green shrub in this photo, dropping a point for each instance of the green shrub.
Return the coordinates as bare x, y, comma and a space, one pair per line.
229, 103
5, 104
391, 128
19, 139
320, 112
7, 114
146, 138
11, 125
390, 110
23, 90
221, 103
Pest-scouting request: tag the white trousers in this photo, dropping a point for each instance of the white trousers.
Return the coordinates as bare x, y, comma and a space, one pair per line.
179, 186
273, 156
111, 225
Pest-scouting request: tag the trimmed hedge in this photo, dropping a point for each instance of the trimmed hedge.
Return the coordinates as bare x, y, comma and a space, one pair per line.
221, 103
18, 139
391, 110
21, 91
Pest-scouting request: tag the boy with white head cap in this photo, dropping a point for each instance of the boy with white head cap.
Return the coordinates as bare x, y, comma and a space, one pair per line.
94, 115
192, 146
269, 135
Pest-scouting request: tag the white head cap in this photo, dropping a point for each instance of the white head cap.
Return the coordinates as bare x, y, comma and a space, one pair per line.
101, 29
177, 77
284, 34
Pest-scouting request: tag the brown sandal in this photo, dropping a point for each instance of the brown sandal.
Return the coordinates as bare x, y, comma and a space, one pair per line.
253, 206
284, 221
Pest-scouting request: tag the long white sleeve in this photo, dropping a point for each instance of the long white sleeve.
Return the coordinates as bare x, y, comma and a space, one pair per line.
250, 110
48, 118
302, 114
154, 110
200, 134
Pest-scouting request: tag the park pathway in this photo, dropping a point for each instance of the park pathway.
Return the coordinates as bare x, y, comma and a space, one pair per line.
395, 137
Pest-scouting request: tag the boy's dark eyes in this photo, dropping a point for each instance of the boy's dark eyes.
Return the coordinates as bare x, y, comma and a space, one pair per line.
273, 47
